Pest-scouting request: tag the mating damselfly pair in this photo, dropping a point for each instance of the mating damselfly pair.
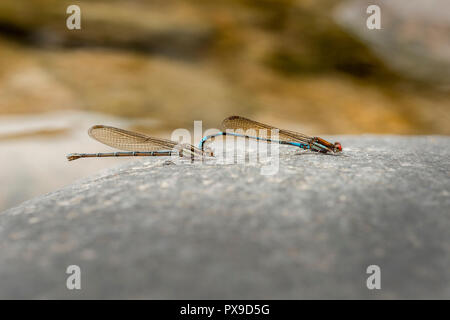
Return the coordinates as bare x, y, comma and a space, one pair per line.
137, 144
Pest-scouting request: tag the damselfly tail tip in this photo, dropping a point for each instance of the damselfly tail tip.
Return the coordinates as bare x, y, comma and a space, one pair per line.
73, 156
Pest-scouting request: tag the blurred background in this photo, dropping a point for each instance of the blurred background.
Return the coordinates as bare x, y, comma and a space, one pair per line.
154, 66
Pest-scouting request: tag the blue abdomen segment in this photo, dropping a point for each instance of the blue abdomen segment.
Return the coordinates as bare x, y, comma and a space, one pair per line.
296, 144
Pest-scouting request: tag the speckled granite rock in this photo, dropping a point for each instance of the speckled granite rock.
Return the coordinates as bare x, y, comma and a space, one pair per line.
152, 230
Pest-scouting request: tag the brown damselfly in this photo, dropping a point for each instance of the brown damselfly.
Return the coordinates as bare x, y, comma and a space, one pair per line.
136, 145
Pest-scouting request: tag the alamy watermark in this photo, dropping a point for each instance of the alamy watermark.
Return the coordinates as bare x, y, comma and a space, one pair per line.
374, 20
234, 146
73, 281
73, 22
374, 280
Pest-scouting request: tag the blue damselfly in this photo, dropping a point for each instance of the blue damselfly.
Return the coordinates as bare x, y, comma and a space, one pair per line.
263, 133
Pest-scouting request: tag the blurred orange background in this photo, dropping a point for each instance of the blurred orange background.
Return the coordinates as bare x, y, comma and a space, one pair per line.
154, 66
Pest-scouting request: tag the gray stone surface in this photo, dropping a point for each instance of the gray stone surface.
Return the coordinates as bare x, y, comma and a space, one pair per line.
152, 230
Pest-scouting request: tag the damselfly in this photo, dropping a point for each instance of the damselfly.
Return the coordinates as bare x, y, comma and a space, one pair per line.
262, 132
137, 144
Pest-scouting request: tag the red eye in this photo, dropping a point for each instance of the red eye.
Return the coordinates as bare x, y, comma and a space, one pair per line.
338, 146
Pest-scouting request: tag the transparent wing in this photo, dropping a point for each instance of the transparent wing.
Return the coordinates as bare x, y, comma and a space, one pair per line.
133, 141
127, 140
263, 130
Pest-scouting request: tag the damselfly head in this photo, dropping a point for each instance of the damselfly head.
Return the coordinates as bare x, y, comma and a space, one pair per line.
337, 147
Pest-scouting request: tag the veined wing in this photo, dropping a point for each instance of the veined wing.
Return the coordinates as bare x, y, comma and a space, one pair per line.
263, 130
133, 141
